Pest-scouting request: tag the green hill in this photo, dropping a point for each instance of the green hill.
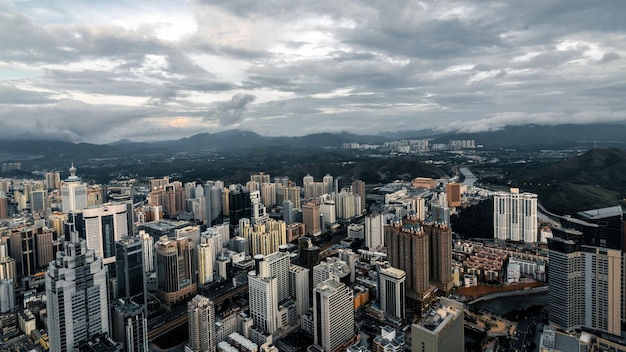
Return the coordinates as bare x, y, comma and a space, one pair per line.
592, 180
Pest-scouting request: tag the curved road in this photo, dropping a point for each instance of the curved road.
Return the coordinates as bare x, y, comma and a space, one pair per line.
509, 294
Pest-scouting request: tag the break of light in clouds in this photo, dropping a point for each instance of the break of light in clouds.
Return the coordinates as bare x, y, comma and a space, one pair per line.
102, 71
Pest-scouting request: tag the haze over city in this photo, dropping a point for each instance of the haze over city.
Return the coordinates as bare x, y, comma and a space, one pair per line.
103, 71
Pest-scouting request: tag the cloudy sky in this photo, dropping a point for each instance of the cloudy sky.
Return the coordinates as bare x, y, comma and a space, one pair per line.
100, 71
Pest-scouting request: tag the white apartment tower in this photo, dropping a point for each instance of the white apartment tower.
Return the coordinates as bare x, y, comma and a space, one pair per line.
333, 315
104, 225
73, 193
76, 291
147, 248
375, 231
515, 216
263, 296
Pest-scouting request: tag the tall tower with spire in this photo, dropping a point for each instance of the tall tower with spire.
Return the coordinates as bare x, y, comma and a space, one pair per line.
73, 192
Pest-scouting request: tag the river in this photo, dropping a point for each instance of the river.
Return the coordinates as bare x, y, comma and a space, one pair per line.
470, 179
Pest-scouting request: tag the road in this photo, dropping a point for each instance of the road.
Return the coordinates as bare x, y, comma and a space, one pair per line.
509, 294
524, 327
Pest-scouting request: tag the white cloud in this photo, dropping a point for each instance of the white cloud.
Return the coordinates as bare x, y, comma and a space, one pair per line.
193, 66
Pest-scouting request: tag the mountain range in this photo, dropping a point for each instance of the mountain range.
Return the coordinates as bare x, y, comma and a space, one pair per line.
527, 136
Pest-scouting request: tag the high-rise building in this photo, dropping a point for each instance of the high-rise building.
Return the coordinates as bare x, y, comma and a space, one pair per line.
440, 329
374, 231
76, 291
358, 188
440, 255
174, 201
104, 225
328, 211
206, 262
311, 217
288, 215
131, 280
453, 193
258, 212
176, 269
515, 216
73, 193
263, 296
8, 266
147, 250
4, 206
44, 243
201, 318
333, 316
268, 194
299, 287
333, 269
27, 251
53, 180
38, 200
391, 291
348, 204
55, 221
129, 325
239, 203
408, 248
586, 284
7, 295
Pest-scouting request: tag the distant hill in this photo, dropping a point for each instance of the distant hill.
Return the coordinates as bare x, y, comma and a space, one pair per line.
537, 136
521, 137
237, 139
594, 179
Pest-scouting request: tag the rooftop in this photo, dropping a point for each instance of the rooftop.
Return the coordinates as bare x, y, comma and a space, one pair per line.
602, 212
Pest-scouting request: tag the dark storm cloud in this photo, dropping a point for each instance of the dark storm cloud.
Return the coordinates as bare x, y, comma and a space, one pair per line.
230, 112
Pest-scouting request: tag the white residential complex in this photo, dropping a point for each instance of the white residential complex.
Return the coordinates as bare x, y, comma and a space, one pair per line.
515, 216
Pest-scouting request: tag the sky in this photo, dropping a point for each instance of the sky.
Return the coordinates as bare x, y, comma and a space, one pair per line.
100, 71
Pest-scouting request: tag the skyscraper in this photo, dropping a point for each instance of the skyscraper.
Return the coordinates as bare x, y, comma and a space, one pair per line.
239, 203
73, 192
131, 280
38, 201
391, 291
129, 325
333, 316
453, 193
586, 283
263, 296
176, 269
440, 255
201, 318
76, 291
374, 231
358, 187
311, 217
299, 287
408, 248
515, 216
104, 225
53, 180
206, 261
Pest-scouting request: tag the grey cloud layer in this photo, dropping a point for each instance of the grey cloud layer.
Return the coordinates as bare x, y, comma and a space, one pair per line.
291, 67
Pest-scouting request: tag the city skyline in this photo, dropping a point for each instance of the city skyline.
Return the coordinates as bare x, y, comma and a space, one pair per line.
101, 72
